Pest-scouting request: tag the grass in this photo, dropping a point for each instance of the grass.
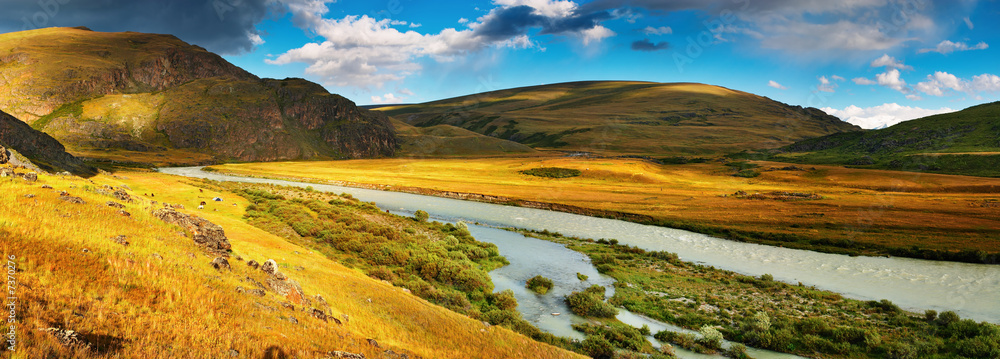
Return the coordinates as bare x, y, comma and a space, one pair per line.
553, 172
773, 315
858, 211
134, 304
626, 118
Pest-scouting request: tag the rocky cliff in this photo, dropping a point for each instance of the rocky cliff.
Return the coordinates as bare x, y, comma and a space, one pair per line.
132, 92
18, 140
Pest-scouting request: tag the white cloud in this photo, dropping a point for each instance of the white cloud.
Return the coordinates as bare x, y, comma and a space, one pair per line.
968, 22
890, 62
406, 92
776, 85
826, 85
662, 30
547, 8
942, 83
463, 20
863, 81
883, 115
797, 35
947, 47
414, 25
596, 34
256, 39
386, 99
892, 80
838, 78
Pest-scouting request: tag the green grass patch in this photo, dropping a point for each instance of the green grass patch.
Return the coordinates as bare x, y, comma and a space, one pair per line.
553, 172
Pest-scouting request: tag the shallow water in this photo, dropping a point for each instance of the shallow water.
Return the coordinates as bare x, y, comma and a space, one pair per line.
971, 290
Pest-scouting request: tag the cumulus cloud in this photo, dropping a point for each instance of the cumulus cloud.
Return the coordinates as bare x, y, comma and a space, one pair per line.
947, 47
942, 83
890, 62
646, 45
883, 115
892, 80
365, 52
825, 85
776, 85
662, 30
222, 26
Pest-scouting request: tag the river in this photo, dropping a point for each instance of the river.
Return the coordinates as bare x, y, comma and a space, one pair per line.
971, 290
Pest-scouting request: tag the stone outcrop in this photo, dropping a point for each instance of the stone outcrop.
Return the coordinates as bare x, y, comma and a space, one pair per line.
40, 149
207, 234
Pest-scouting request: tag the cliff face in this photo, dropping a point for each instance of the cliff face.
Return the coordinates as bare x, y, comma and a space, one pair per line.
153, 93
42, 150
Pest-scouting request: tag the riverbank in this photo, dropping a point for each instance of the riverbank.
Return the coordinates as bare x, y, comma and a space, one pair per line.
854, 212
764, 313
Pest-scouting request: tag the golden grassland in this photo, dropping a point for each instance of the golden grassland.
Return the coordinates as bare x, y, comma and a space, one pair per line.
158, 297
882, 209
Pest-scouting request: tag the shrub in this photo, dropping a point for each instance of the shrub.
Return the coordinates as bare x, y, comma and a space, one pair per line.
552, 172
761, 322
539, 284
948, 317
505, 300
710, 338
747, 174
581, 276
737, 351
930, 315
597, 347
590, 303
420, 215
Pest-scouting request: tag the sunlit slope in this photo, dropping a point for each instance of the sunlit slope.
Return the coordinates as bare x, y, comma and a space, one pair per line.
627, 118
158, 297
447, 140
964, 142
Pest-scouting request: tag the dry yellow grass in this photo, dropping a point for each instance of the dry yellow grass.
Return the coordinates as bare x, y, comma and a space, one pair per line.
133, 304
885, 208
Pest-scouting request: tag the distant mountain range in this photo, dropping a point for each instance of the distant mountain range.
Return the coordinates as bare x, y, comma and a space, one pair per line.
159, 99
627, 118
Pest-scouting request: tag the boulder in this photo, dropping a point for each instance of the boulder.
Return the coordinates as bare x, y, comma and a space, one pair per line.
287, 288
220, 263
6, 172
71, 199
253, 264
115, 204
29, 176
207, 234
346, 355
120, 239
121, 195
318, 314
68, 338
4, 155
256, 291
270, 267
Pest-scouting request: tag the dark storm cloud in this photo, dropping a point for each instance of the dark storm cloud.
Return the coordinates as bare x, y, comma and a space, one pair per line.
505, 23
222, 26
646, 45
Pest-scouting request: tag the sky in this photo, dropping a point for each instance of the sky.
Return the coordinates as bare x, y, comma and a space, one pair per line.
870, 62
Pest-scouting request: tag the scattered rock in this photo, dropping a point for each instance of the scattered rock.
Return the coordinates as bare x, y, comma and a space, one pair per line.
29, 195
293, 320
264, 307
68, 338
335, 320
115, 204
121, 195
45, 186
347, 318
177, 206
240, 290
373, 343
318, 314
288, 306
233, 353
71, 199
124, 213
30, 176
6, 172
253, 264
346, 355
157, 256
4, 155
256, 291
207, 234
287, 288
270, 267
254, 282
220, 263
120, 239
85, 250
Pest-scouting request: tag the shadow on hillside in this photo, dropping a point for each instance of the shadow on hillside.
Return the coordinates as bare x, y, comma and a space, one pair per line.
274, 352
103, 344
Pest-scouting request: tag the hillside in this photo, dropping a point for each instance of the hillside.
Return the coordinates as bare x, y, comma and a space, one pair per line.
634, 118
447, 140
155, 98
100, 273
22, 145
964, 142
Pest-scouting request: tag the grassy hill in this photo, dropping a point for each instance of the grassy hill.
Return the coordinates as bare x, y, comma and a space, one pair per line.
21, 145
636, 118
131, 286
965, 142
154, 98
447, 140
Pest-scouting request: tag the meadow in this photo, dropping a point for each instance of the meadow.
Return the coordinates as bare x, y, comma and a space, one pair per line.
817, 207
158, 296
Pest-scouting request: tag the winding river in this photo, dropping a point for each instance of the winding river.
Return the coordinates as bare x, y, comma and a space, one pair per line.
971, 290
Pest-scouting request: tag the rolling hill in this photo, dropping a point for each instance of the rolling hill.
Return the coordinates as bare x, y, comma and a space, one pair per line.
964, 142
155, 98
447, 140
627, 118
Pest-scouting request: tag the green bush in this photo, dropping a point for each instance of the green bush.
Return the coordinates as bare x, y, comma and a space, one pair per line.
747, 174
710, 338
590, 303
581, 276
597, 347
552, 172
420, 215
539, 284
738, 351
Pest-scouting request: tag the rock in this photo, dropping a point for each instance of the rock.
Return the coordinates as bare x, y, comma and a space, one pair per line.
120, 239
240, 290
6, 172
30, 176
318, 314
254, 282
71, 199
29, 195
123, 213
121, 195
207, 234
299, 268
346, 355
157, 256
293, 320
177, 206
270, 267
288, 306
45, 186
257, 291
287, 288
4, 155
115, 204
253, 264
220, 263
373, 343
347, 318
335, 320
233, 353
67, 338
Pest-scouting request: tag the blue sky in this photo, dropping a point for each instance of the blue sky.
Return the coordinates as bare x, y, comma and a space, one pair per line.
871, 62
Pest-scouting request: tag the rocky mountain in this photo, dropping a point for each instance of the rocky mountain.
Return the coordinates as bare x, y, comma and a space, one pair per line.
148, 96
22, 145
627, 118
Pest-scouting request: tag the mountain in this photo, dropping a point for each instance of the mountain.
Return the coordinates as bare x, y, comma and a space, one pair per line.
447, 140
152, 96
23, 145
964, 142
636, 118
